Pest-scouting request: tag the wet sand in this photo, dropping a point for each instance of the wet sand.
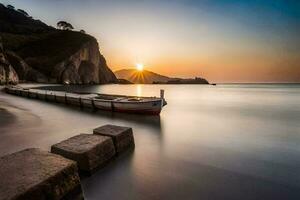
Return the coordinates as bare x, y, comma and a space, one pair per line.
6, 117
11, 114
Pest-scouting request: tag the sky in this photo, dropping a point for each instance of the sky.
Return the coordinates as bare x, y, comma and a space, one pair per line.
220, 40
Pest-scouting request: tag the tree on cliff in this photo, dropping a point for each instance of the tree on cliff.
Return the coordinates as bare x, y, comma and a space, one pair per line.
23, 12
64, 25
10, 7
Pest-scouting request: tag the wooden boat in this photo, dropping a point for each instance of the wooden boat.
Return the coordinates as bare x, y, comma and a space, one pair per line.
129, 104
114, 103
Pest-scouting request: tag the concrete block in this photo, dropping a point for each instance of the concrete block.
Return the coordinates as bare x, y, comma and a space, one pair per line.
122, 136
37, 174
88, 150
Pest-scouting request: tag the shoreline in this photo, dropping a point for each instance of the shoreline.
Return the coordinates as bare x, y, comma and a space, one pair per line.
7, 116
12, 114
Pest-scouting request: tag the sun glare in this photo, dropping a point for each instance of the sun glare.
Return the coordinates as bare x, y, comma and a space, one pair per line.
140, 67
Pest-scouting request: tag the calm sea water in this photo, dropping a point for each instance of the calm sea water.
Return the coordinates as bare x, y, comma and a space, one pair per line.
210, 142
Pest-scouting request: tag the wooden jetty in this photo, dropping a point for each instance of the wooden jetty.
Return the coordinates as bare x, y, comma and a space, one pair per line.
114, 103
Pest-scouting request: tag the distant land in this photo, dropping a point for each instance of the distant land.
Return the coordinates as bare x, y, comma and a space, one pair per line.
149, 77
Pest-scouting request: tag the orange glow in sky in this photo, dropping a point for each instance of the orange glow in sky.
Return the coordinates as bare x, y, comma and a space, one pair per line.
222, 41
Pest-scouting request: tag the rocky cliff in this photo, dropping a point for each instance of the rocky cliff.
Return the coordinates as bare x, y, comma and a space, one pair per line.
7, 73
85, 66
33, 51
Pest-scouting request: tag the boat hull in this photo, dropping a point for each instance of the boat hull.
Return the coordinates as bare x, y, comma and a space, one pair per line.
103, 104
149, 107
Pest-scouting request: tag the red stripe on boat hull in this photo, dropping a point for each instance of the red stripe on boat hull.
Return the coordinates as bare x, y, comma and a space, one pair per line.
148, 112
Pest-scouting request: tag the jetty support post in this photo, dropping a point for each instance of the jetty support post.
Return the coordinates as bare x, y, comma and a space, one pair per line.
66, 100
162, 93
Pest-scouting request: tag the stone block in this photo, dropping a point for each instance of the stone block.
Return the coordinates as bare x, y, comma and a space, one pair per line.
36, 174
122, 136
88, 150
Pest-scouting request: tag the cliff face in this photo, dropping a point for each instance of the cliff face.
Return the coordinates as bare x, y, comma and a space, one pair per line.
35, 52
7, 73
85, 66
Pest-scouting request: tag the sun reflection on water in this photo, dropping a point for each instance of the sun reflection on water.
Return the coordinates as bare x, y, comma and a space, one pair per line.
138, 90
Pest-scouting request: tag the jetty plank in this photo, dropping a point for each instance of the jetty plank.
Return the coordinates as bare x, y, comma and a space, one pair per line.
9, 90
60, 97
88, 150
122, 136
50, 96
32, 94
15, 91
36, 174
73, 99
87, 102
18, 92
24, 93
41, 95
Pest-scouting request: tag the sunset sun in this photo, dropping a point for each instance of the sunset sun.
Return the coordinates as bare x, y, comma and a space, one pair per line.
140, 67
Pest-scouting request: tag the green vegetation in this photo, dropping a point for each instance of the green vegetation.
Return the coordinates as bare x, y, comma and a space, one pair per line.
63, 25
41, 53
40, 45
